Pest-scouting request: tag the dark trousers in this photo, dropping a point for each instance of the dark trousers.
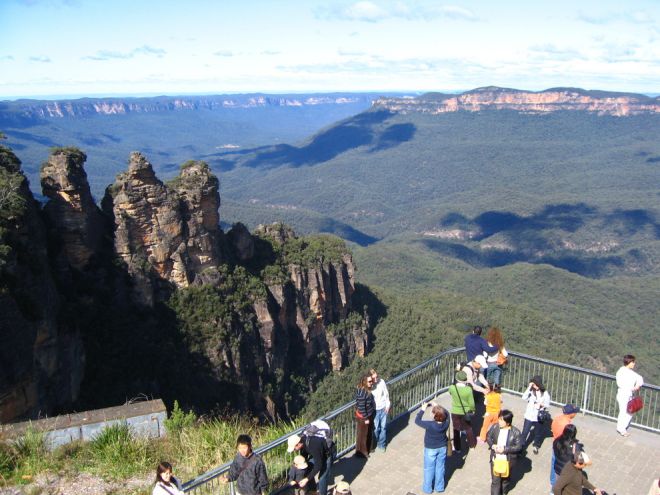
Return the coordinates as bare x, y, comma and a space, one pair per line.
364, 436
499, 485
459, 425
533, 430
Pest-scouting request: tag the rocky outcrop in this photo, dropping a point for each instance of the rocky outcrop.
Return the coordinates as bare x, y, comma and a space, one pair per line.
255, 311
71, 208
550, 100
41, 353
165, 233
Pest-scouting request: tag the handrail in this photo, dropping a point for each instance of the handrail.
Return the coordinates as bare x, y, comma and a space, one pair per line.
593, 391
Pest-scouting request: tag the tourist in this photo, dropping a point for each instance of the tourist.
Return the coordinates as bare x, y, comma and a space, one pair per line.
558, 424
297, 472
462, 410
365, 409
475, 378
247, 469
382, 400
496, 359
505, 443
315, 449
628, 382
166, 483
476, 345
435, 447
572, 479
563, 450
493, 407
538, 399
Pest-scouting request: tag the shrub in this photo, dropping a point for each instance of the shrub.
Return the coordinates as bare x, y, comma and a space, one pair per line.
179, 420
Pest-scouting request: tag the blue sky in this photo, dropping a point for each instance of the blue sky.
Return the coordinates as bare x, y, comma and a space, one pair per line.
114, 47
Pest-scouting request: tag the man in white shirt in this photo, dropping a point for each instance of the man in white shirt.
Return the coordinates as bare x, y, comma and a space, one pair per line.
628, 382
382, 398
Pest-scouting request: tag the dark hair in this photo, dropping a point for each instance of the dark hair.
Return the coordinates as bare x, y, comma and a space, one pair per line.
566, 440
476, 330
244, 440
628, 358
506, 415
578, 457
538, 381
439, 413
162, 468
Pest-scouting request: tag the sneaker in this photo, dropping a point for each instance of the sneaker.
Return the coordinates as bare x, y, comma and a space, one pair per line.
535, 450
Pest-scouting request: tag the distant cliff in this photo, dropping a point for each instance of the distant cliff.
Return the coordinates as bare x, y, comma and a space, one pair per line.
550, 100
85, 107
149, 296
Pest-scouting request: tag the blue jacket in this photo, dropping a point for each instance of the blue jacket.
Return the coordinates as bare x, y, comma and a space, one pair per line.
475, 345
435, 436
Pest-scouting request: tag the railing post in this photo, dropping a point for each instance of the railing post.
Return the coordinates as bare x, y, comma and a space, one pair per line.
585, 399
435, 386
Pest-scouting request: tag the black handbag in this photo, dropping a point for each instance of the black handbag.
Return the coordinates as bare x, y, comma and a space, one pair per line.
544, 416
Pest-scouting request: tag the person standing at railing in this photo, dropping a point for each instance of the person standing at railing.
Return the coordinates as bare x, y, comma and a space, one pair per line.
476, 345
462, 410
247, 469
435, 446
495, 359
628, 382
365, 410
538, 399
315, 449
382, 400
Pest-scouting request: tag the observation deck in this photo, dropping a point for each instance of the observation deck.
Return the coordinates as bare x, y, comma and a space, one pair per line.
621, 465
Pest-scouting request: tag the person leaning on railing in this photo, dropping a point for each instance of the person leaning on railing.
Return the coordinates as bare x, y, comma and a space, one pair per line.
365, 410
247, 469
628, 382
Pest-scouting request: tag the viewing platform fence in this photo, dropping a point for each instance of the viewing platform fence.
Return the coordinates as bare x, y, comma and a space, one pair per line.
593, 391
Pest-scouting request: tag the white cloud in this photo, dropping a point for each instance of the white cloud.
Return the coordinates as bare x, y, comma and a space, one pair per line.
43, 60
367, 11
142, 50
224, 53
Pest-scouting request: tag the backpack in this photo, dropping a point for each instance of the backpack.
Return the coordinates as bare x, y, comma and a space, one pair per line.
321, 429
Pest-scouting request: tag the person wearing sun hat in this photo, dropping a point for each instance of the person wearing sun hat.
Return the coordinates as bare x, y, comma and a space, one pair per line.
462, 403
297, 472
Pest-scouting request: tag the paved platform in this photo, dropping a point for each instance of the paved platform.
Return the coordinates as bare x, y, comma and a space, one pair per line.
625, 466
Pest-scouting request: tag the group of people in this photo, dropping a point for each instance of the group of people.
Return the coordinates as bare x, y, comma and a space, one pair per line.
477, 385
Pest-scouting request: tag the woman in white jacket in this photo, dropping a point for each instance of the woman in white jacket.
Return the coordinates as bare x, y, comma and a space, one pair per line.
165, 481
628, 382
537, 398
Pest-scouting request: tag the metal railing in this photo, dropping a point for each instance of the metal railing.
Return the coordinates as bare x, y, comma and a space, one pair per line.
593, 391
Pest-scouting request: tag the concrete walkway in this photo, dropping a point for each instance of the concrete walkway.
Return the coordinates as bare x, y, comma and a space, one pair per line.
625, 466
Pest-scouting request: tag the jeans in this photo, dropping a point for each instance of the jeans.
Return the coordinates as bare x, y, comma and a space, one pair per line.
380, 428
494, 373
538, 431
434, 470
326, 476
553, 475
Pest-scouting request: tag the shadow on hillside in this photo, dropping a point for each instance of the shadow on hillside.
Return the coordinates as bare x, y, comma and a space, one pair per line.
353, 133
534, 238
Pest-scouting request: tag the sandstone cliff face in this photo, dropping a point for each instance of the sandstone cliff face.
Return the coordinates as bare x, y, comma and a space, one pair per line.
71, 208
551, 100
41, 353
280, 306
